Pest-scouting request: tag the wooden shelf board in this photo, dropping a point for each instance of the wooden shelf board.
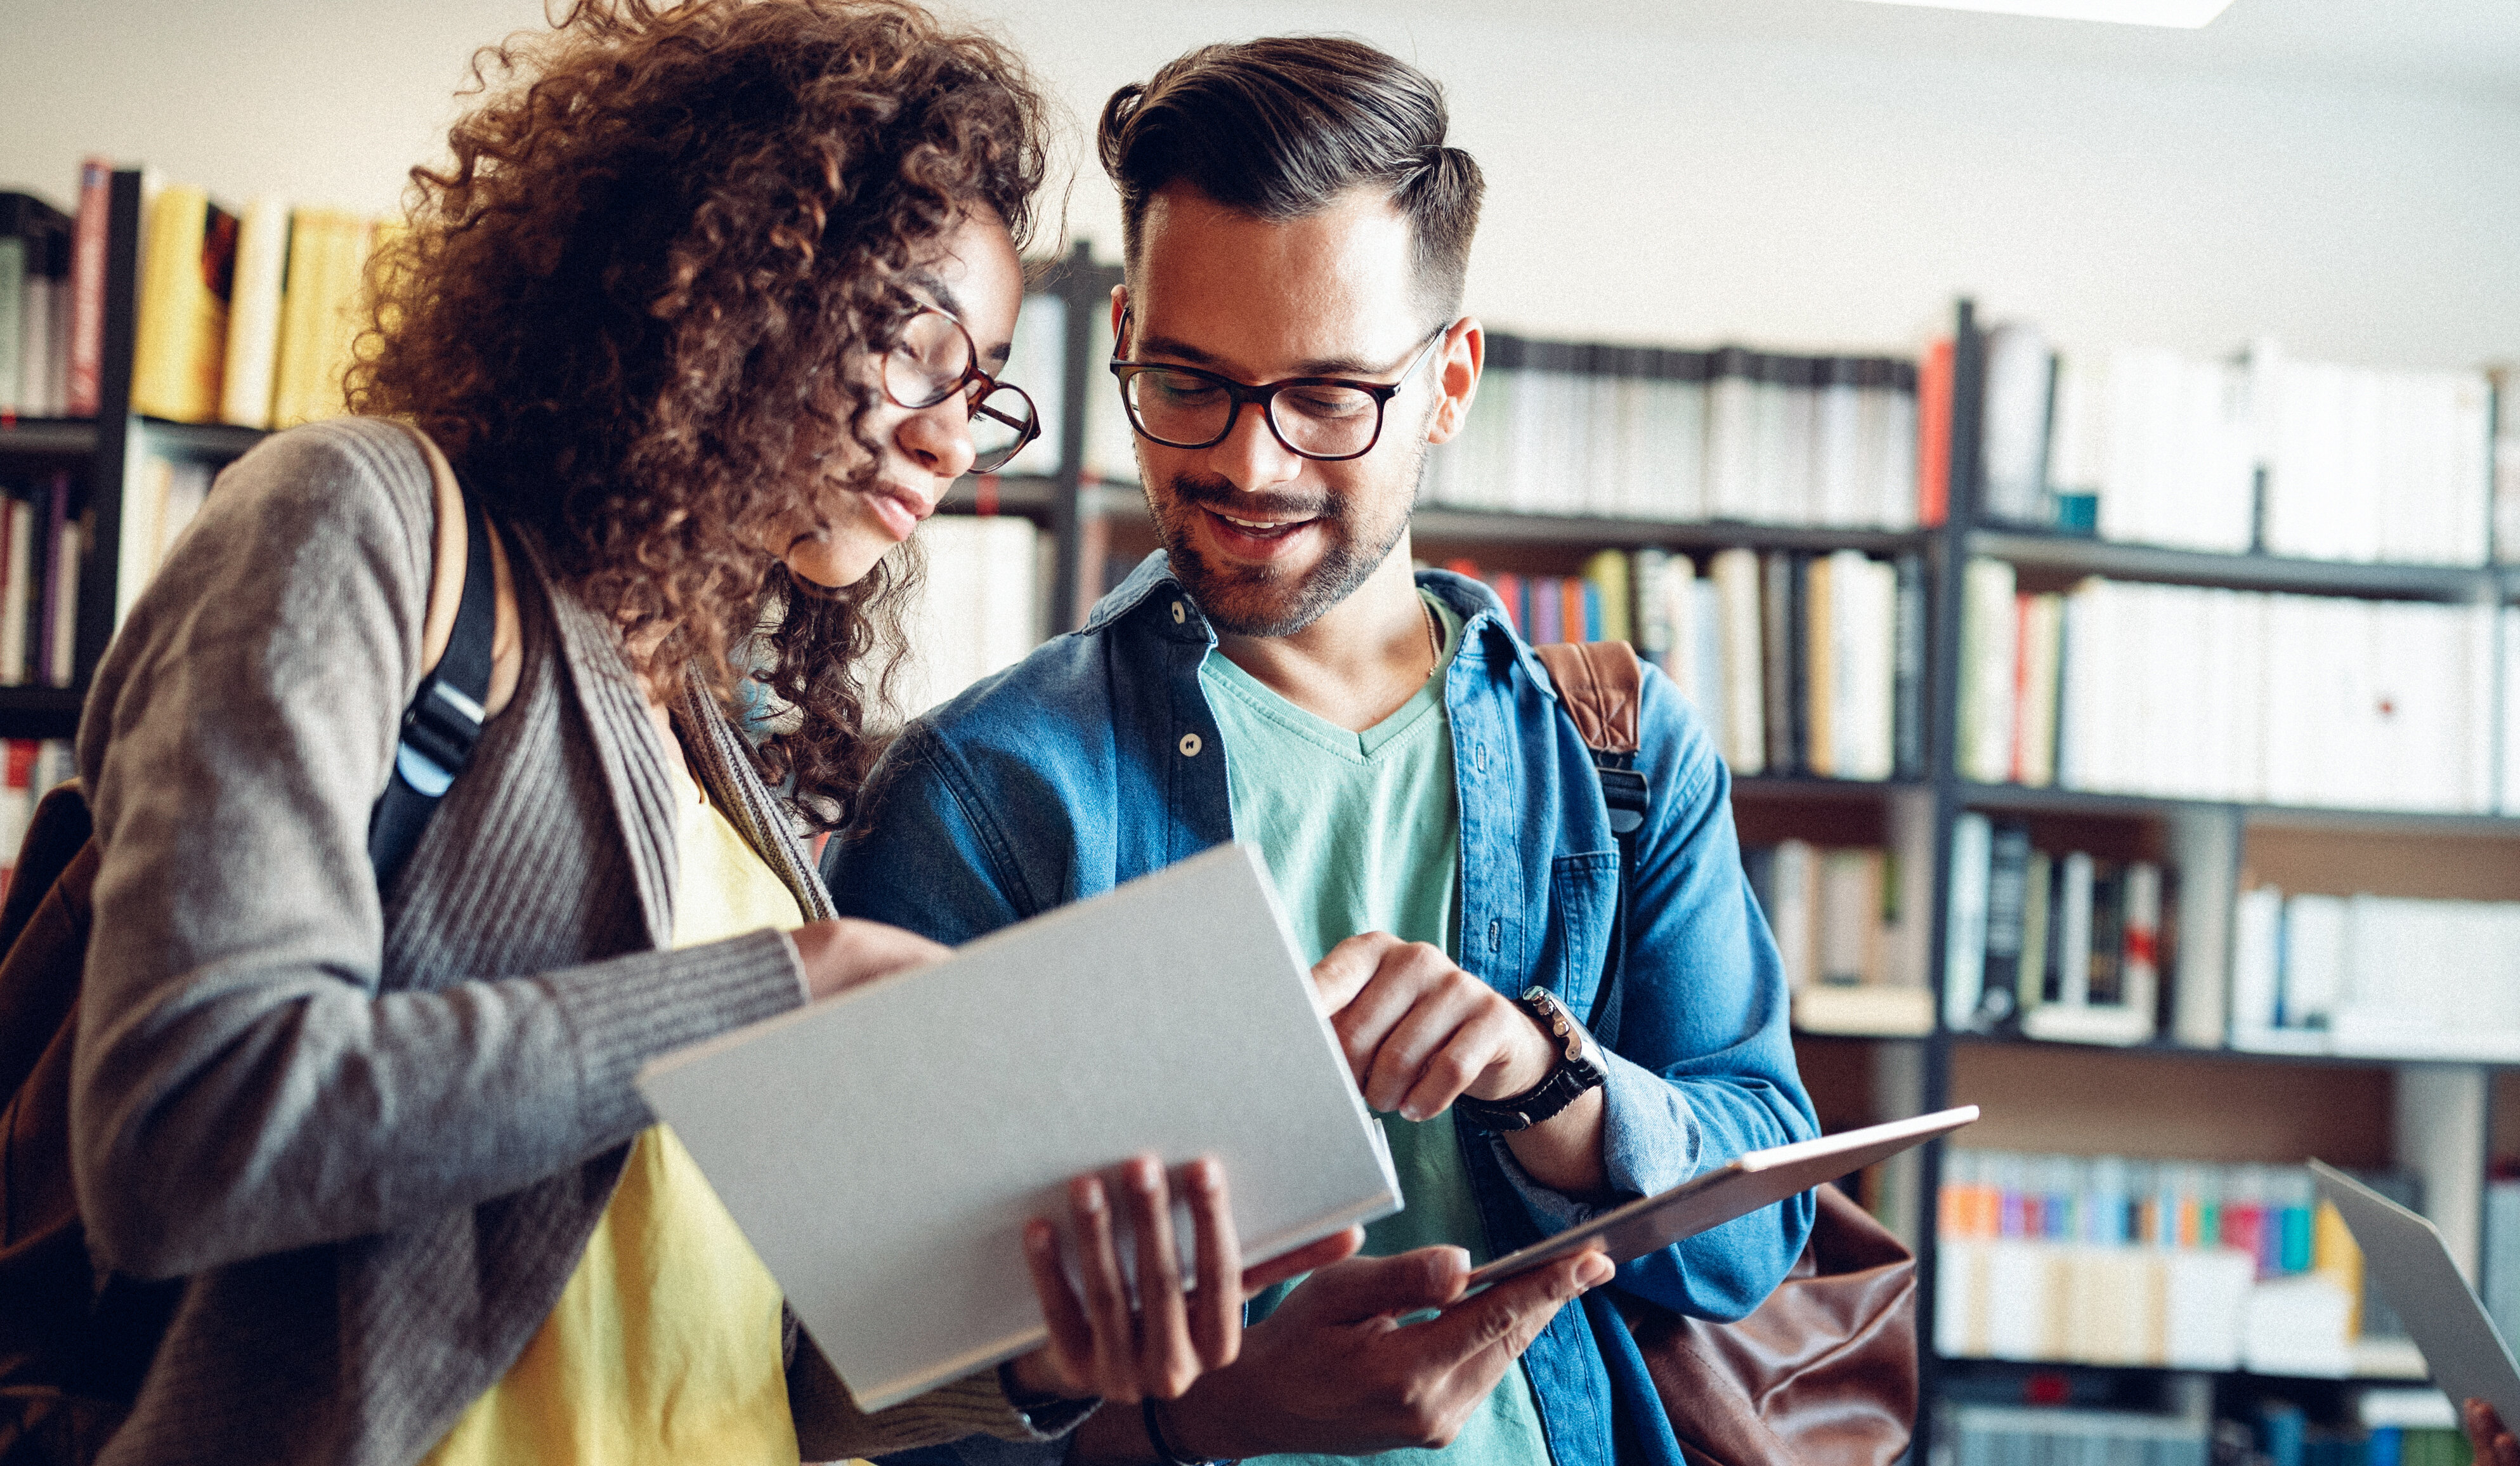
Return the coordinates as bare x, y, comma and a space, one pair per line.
1976, 1363
1439, 524
2165, 1049
2022, 799
2077, 555
2175, 1105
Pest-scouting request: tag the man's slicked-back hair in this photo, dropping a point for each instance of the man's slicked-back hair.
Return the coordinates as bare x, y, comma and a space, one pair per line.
1278, 129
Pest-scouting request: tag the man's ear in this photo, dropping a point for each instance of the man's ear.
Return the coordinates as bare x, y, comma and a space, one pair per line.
1119, 309
1456, 377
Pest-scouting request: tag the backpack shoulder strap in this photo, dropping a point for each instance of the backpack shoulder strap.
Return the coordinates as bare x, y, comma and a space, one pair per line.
1601, 684
443, 724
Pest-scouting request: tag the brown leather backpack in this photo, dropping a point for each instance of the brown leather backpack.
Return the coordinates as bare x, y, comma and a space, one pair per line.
1823, 1373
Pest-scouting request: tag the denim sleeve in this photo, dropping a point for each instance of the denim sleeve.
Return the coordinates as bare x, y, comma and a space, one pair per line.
924, 855
1705, 1014
1648, 1144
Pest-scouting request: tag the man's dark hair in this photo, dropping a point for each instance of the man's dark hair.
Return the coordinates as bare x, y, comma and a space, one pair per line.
1278, 129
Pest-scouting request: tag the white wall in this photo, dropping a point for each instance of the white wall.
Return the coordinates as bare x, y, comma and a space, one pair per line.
1646, 183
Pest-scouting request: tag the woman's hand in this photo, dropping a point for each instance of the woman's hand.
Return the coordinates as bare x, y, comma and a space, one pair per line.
2492, 1444
1098, 1345
839, 954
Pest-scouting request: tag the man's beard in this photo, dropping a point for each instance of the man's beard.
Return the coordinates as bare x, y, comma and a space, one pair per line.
1252, 601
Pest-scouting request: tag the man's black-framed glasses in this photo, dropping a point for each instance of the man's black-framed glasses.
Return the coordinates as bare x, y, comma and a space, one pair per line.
1326, 418
934, 358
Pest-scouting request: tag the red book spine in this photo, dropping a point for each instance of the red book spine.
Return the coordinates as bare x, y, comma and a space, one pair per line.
86, 397
1934, 434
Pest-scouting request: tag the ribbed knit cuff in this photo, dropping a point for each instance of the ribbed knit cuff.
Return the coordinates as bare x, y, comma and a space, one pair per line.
631, 1009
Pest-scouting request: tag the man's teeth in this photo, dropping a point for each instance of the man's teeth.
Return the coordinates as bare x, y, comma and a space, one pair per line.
1262, 525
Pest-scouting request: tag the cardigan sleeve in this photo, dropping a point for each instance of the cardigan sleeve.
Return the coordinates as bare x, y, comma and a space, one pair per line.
242, 1082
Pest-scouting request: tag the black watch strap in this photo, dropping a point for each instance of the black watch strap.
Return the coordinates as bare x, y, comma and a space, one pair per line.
1565, 1084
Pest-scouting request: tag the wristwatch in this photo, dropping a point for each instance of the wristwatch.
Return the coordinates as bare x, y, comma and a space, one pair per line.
1580, 1066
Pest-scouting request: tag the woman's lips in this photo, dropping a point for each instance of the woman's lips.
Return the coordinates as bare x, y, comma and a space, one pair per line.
897, 509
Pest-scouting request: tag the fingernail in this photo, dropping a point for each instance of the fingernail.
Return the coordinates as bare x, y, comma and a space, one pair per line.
1596, 1271
1206, 1174
1037, 1240
1089, 1195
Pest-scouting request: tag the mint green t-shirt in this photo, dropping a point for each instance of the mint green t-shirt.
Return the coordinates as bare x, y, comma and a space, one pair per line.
1362, 832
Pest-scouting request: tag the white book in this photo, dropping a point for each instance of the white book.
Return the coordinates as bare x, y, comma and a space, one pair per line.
2257, 940
1059, 1046
253, 315
1710, 690
1736, 572
1793, 889
2073, 919
1965, 950
1987, 645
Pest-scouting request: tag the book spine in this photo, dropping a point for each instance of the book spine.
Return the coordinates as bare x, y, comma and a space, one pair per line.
1964, 938
1934, 373
2007, 901
85, 385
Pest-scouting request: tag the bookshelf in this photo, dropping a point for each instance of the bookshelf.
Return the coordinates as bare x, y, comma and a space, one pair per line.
2444, 1121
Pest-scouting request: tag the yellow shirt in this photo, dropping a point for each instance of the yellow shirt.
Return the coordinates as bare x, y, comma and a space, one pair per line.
664, 1345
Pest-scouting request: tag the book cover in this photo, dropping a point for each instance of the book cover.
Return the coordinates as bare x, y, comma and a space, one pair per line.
2006, 924
84, 381
1934, 432
1817, 684
254, 323
1989, 616
1908, 677
1736, 572
1051, 1048
1606, 573
186, 279
2037, 945
1964, 935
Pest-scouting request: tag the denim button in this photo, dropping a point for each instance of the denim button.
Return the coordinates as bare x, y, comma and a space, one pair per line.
1189, 743
1180, 616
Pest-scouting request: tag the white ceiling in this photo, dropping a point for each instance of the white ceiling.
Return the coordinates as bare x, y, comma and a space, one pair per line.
2465, 45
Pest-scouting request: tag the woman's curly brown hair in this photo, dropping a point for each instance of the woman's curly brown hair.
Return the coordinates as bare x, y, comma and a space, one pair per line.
628, 308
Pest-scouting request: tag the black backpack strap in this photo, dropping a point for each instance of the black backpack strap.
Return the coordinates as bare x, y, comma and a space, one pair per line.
443, 722
1601, 685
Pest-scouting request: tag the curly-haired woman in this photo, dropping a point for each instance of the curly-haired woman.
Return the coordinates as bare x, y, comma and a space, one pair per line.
701, 314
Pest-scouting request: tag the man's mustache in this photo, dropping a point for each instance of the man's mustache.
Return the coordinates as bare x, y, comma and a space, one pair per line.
1225, 498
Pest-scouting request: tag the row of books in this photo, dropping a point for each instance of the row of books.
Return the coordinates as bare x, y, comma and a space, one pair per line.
1796, 663
29, 769
2110, 1261
243, 318
1731, 433
2257, 452
246, 319
36, 251
2056, 944
166, 494
2370, 976
2385, 1426
41, 553
1845, 926
2198, 693
976, 609
1985, 1435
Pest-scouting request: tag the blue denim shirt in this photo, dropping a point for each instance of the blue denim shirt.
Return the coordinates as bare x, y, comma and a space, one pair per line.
1097, 760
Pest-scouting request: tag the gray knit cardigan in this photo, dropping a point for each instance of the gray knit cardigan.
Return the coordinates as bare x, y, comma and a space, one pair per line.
373, 1136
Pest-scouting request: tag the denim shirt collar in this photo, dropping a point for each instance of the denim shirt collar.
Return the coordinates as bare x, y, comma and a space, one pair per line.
1156, 596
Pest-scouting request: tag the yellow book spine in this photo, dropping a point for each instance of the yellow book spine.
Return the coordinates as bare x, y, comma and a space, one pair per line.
163, 378
300, 303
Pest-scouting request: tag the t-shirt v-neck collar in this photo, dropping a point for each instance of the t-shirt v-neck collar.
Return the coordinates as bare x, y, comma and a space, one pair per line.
1266, 701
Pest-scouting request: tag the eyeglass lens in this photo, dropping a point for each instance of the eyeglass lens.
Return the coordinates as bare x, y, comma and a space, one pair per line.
933, 361
1189, 411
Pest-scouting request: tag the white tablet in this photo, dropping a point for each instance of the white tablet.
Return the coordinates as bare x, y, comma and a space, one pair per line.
1760, 1178
2404, 1254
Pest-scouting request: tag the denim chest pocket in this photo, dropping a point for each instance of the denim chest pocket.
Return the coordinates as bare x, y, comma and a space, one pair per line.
1584, 900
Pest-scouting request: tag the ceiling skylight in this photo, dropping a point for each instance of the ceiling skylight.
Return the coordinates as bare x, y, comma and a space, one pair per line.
2185, 14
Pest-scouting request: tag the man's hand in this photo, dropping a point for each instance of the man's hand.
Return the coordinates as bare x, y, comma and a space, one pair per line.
839, 954
1333, 1370
1102, 1345
2493, 1444
1420, 1033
